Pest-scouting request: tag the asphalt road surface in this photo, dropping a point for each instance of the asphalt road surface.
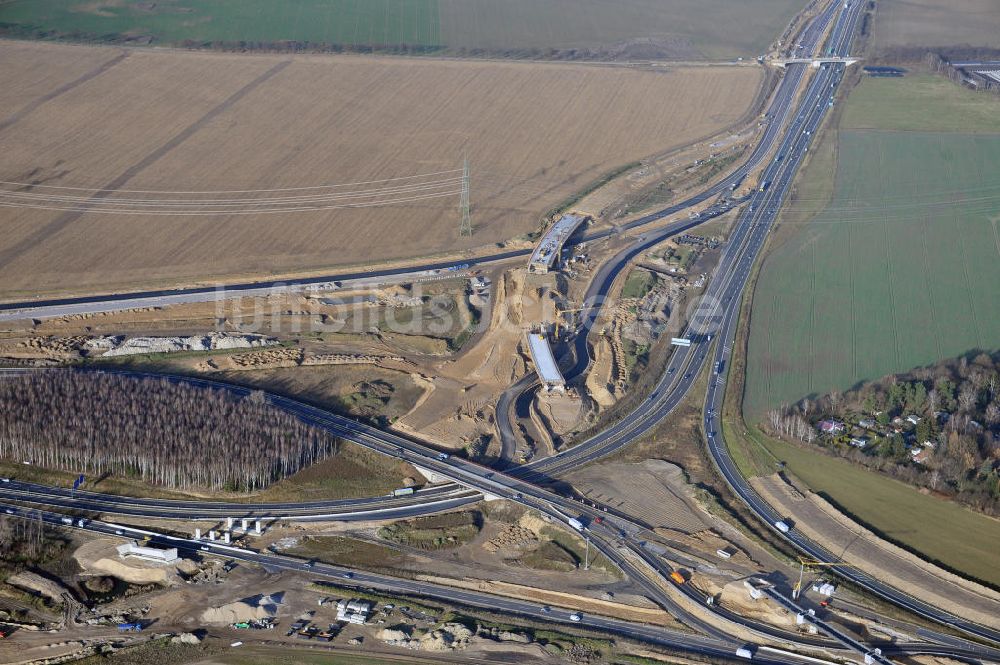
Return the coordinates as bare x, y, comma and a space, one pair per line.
610, 538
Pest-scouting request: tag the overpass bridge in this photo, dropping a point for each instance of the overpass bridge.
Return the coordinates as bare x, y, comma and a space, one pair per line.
815, 62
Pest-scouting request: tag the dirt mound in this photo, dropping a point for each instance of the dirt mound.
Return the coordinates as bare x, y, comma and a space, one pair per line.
248, 609
127, 573
38, 584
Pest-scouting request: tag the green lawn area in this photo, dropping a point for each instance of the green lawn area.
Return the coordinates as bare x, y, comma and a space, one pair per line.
922, 103
674, 28
887, 259
639, 283
939, 529
900, 268
379, 23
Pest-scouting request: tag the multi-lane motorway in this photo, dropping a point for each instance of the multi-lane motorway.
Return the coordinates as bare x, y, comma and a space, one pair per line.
53, 307
344, 577
519, 485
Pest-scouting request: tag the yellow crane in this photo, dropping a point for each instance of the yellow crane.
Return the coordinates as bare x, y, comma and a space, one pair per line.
814, 563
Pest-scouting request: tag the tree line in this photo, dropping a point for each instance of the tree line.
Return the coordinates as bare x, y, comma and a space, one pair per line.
956, 408
170, 434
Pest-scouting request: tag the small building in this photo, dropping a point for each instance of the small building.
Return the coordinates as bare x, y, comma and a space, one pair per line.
353, 611
867, 423
920, 455
914, 419
831, 426
824, 588
154, 554
860, 441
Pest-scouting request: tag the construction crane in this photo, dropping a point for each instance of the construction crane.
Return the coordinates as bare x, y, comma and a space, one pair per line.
814, 563
559, 313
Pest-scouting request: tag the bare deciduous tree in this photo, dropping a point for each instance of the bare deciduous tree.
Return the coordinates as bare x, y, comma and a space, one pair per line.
162, 432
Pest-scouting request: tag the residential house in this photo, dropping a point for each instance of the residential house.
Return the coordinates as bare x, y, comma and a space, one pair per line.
860, 441
831, 426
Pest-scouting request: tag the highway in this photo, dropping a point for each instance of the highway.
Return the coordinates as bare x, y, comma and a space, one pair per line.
433, 498
347, 579
92, 304
737, 260
600, 285
741, 251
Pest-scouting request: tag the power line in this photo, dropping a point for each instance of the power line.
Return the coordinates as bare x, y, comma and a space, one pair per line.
466, 228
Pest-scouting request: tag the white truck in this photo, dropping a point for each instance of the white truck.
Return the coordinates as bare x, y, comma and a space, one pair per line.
782, 527
576, 523
745, 652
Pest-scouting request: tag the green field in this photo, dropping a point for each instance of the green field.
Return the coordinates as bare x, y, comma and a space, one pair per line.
901, 268
655, 28
380, 23
939, 530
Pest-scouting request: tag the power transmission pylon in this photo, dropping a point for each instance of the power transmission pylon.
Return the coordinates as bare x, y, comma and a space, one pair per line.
463, 205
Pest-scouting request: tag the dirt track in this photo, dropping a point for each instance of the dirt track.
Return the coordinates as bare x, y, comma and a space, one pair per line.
822, 523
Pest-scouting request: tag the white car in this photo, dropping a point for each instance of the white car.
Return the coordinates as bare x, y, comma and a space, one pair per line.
443, 456
575, 617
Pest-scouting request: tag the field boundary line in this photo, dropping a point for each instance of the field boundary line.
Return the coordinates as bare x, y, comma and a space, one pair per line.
812, 320
968, 289
935, 321
888, 260
854, 303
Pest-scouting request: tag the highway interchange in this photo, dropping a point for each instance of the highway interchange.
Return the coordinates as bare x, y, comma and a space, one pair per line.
520, 484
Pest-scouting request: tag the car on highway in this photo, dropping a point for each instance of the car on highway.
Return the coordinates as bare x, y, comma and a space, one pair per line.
546, 609
348, 575
576, 616
443, 456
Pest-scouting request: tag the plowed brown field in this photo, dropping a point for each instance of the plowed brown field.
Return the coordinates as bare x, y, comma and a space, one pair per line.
175, 121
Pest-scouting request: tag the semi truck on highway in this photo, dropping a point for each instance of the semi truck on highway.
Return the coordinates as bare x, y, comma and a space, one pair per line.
576, 523
403, 491
782, 526
677, 577
745, 652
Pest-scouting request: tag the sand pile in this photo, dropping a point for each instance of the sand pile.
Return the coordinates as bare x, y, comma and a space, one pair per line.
127, 573
248, 609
